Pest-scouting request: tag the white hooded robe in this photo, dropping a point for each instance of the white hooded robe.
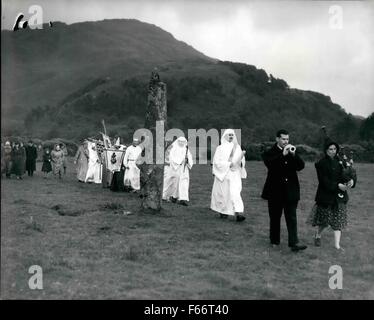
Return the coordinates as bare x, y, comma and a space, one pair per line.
227, 186
176, 175
94, 171
132, 173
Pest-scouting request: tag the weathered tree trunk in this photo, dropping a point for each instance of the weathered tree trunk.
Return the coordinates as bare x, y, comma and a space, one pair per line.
152, 175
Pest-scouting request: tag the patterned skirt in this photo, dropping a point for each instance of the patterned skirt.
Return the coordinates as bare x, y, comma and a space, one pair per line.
334, 216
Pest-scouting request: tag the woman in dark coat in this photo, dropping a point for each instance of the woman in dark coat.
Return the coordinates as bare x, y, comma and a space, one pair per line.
47, 162
18, 160
331, 199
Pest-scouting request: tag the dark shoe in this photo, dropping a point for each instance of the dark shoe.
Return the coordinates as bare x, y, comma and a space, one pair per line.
183, 203
240, 218
296, 248
223, 216
317, 242
173, 200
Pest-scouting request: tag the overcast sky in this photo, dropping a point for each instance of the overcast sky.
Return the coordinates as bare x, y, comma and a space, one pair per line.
310, 44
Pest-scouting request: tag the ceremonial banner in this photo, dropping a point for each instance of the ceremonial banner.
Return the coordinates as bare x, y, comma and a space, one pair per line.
113, 159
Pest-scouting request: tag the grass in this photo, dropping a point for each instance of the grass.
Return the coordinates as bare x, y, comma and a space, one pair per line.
89, 249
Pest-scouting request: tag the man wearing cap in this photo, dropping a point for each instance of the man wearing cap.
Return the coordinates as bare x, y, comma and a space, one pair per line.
132, 173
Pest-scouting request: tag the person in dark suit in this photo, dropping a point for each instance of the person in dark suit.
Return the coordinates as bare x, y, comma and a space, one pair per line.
31, 155
282, 189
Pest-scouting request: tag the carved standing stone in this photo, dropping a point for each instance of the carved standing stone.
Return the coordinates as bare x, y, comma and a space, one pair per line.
152, 175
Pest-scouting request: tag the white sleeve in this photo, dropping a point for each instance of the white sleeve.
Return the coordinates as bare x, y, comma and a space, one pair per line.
126, 157
190, 161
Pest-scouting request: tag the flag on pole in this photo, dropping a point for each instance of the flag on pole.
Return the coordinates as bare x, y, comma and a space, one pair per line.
106, 140
103, 123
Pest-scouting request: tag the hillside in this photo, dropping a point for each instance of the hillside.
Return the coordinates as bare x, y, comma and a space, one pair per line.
62, 81
43, 66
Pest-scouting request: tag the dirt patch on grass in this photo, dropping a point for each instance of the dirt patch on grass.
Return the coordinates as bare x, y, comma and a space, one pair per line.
21, 201
33, 225
65, 211
104, 229
136, 253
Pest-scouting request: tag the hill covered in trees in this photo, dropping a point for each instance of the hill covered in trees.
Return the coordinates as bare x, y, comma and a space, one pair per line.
61, 81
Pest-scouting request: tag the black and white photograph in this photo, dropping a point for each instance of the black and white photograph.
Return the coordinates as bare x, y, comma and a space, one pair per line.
182, 150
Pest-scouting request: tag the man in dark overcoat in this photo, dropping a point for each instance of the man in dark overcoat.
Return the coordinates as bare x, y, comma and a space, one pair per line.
282, 188
31, 155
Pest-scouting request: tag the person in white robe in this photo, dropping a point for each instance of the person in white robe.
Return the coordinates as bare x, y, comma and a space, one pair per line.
132, 173
165, 197
176, 175
94, 171
228, 170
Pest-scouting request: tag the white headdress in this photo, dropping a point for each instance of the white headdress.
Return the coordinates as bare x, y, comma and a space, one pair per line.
178, 152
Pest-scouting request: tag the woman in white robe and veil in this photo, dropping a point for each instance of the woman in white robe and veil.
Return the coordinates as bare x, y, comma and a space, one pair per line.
94, 164
177, 176
228, 171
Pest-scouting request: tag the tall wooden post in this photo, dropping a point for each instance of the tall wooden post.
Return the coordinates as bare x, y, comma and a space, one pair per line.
152, 175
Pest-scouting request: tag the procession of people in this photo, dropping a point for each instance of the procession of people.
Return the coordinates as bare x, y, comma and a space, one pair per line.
117, 166
17, 159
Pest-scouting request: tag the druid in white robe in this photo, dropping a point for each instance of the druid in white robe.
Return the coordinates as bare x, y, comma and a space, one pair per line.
132, 173
228, 171
176, 175
94, 171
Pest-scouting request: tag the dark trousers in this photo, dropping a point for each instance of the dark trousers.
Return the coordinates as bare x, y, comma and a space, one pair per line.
117, 181
276, 209
8, 168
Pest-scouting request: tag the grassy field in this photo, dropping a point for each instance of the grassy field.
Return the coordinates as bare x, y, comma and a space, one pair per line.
89, 249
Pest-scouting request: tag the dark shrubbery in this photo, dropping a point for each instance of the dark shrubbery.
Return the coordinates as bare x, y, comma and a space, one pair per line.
367, 129
242, 97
